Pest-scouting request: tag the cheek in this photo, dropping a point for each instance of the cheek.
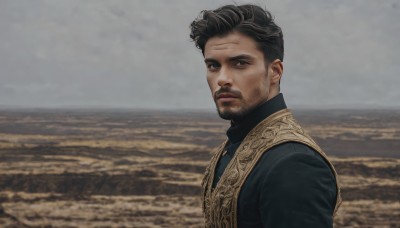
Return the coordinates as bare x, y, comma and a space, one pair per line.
257, 86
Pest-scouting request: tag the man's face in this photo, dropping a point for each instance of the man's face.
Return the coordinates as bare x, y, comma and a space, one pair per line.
236, 74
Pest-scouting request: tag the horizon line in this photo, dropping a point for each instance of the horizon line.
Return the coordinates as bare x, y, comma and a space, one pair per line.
127, 108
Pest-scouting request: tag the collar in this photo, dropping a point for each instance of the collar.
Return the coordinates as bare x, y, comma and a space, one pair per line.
240, 128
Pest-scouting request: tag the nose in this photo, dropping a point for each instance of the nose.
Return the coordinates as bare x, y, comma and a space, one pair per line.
224, 78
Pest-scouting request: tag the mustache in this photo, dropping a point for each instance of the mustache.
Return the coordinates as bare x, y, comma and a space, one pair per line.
227, 90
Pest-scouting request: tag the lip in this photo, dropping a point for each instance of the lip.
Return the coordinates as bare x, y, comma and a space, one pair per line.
225, 97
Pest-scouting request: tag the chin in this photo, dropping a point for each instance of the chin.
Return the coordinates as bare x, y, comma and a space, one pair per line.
227, 113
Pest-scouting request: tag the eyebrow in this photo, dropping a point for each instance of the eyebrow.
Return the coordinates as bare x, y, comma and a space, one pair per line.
207, 60
234, 58
247, 57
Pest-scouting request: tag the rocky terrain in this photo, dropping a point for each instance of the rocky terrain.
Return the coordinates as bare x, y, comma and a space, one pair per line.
74, 168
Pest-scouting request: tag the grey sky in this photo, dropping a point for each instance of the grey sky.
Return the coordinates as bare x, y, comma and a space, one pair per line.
137, 54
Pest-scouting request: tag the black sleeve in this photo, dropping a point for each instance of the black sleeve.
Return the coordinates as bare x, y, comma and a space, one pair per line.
299, 191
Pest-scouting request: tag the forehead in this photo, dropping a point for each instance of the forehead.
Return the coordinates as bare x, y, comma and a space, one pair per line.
231, 45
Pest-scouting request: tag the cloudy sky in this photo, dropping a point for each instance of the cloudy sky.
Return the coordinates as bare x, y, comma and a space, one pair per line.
137, 53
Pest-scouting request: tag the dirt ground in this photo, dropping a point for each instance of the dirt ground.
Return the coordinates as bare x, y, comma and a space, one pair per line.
143, 169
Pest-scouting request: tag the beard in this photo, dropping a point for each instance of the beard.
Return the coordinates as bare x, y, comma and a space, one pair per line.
228, 114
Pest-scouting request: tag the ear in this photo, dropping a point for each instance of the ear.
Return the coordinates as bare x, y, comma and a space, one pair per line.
276, 71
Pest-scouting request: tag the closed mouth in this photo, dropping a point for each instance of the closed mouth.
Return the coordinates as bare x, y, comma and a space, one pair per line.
226, 95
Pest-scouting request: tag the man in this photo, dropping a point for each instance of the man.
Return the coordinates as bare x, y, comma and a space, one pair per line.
268, 173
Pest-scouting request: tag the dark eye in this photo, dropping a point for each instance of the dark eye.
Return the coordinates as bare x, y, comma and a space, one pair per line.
212, 66
241, 63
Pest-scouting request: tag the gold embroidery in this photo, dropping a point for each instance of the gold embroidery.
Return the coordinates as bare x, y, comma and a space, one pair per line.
220, 204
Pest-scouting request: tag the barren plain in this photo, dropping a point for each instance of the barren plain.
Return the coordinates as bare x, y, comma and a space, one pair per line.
76, 168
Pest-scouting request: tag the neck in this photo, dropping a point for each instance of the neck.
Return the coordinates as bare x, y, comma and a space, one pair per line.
241, 127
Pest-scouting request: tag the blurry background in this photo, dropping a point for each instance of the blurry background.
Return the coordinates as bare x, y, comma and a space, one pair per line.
137, 54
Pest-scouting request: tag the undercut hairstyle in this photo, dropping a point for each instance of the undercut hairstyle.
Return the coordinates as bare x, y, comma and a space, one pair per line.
250, 20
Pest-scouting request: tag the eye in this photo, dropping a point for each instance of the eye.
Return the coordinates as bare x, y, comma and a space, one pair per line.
212, 66
240, 63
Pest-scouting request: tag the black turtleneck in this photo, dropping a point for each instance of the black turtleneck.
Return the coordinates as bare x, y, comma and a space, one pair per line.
290, 187
241, 127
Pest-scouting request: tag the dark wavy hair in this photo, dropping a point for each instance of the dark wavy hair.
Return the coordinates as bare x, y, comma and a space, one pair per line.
250, 20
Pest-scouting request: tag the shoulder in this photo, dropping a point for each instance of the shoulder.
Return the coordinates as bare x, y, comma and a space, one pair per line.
291, 186
296, 168
298, 185
287, 154
292, 164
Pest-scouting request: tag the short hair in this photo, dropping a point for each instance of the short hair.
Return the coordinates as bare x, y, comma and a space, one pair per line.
250, 20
